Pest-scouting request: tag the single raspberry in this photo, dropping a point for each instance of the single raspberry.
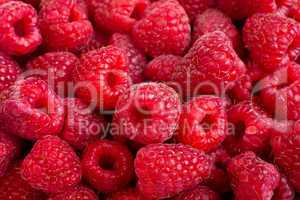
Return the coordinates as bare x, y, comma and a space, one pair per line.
164, 170
214, 20
102, 76
81, 125
9, 71
137, 60
203, 123
127, 194
195, 7
147, 113
64, 25
161, 67
272, 40
199, 193
76, 193
284, 191
164, 29
30, 109
107, 165
119, 15
56, 68
252, 178
249, 128
13, 187
51, 166
18, 26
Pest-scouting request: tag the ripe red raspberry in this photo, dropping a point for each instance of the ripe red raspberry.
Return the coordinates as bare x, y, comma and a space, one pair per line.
164, 29
252, 178
214, 20
164, 170
102, 77
9, 71
128, 194
161, 67
195, 7
64, 25
203, 123
119, 15
81, 125
13, 187
107, 165
18, 26
76, 193
147, 113
137, 60
272, 40
199, 193
30, 109
51, 166
284, 191
56, 68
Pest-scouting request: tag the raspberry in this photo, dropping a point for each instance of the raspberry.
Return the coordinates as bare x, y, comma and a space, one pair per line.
103, 76
195, 7
18, 26
128, 194
12, 186
76, 193
64, 25
81, 125
252, 178
272, 40
164, 170
161, 67
98, 41
137, 60
107, 165
51, 165
250, 128
213, 20
164, 29
57, 67
147, 113
203, 123
9, 71
119, 15
30, 109
199, 193
284, 191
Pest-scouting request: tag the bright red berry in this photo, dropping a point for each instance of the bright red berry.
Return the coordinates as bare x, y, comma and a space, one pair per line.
199, 193
18, 27
164, 29
284, 191
51, 166
76, 193
164, 170
195, 7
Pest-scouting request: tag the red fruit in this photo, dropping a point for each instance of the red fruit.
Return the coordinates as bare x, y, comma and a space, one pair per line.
18, 27
56, 68
284, 191
107, 165
98, 41
137, 60
9, 71
252, 178
13, 187
30, 109
51, 166
203, 123
81, 125
64, 25
294, 8
195, 7
119, 15
164, 170
147, 113
272, 40
199, 193
102, 77
128, 194
164, 29
76, 193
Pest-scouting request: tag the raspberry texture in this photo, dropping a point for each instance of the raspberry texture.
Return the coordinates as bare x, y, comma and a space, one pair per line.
127, 194
199, 193
76, 193
163, 170
19, 30
51, 166
285, 190
164, 29
30, 109
107, 165
195, 7
147, 113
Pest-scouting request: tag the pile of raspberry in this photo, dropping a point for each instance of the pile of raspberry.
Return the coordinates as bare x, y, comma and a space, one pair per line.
149, 99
